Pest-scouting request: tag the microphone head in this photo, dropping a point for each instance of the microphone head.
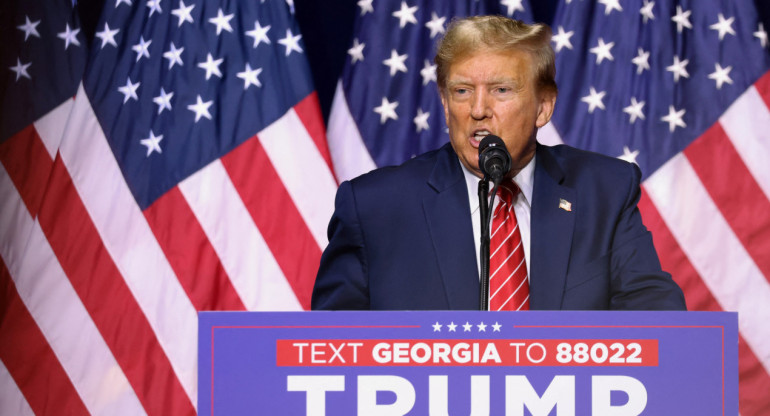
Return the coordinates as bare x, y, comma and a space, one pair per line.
490, 140
494, 159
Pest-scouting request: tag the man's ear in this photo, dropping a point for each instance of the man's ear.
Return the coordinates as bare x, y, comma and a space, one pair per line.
545, 107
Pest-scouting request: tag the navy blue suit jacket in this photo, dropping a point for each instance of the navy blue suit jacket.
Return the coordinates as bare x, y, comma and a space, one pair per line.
401, 239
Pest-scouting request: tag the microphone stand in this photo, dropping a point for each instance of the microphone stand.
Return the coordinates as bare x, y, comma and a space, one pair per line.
485, 216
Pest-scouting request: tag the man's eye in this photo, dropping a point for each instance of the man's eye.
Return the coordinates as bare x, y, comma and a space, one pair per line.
461, 91
503, 90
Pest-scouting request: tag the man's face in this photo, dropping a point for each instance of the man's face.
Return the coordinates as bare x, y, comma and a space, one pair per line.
494, 92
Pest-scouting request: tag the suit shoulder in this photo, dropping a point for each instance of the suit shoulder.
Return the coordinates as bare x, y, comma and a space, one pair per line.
401, 175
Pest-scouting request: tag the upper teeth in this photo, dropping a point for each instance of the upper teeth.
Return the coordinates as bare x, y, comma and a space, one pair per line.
481, 134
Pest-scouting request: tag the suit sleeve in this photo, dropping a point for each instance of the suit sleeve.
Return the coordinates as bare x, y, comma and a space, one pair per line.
638, 281
342, 282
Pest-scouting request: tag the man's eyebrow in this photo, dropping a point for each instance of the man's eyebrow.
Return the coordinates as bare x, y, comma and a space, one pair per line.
452, 83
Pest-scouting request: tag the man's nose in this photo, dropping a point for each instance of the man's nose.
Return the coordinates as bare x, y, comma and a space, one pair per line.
480, 105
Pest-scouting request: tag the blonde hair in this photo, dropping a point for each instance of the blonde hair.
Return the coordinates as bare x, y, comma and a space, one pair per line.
497, 33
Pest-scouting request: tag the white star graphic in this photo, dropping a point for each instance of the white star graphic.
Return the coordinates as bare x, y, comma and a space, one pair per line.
249, 76
405, 15
141, 48
452, 327
421, 120
674, 118
646, 11
482, 327
496, 327
259, 34
129, 90
107, 36
154, 6
201, 109
628, 155
357, 51
467, 327
291, 42
512, 6
152, 143
761, 34
21, 70
723, 26
69, 36
610, 5
594, 100
641, 61
184, 13
396, 62
562, 39
437, 327
366, 6
679, 68
634, 110
721, 75
163, 100
174, 56
29, 28
428, 73
119, 2
387, 110
682, 19
222, 22
436, 25
211, 66
602, 51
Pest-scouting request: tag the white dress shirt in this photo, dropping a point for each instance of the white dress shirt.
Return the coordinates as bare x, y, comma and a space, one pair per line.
525, 179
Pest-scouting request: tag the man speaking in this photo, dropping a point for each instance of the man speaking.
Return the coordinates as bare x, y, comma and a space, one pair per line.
565, 231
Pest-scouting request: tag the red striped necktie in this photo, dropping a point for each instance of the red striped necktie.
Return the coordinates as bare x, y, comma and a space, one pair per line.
508, 283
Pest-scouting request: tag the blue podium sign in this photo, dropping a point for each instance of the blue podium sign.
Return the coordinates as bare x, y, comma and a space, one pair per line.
460, 363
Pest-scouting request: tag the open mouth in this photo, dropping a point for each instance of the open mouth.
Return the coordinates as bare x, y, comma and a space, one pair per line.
479, 135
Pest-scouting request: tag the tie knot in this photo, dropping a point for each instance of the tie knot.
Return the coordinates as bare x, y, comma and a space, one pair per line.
507, 190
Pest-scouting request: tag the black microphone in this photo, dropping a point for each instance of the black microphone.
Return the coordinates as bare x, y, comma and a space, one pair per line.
494, 159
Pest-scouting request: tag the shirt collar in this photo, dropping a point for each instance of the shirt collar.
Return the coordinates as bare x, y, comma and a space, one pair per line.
525, 179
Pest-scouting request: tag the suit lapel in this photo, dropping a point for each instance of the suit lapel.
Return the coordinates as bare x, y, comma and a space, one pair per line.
447, 213
551, 229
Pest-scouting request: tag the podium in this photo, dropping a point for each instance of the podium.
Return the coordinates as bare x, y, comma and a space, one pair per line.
468, 363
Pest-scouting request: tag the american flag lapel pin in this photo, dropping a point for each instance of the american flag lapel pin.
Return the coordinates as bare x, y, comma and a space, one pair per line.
565, 205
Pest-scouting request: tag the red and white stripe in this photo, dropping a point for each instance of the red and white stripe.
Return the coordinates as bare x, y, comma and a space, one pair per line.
104, 296
13, 402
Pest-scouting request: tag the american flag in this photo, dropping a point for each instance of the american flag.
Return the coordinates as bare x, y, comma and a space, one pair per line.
189, 172
681, 88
